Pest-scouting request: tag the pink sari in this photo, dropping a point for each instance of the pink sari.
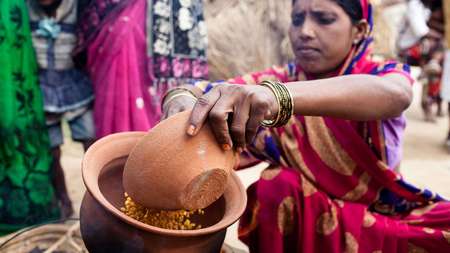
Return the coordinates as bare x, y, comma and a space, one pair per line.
137, 50
118, 67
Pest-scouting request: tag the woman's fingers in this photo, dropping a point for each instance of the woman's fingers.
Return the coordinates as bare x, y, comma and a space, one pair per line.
234, 113
219, 118
238, 126
175, 109
260, 110
258, 113
201, 111
179, 104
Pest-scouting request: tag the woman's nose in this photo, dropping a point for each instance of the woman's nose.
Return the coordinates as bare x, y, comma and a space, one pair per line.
307, 30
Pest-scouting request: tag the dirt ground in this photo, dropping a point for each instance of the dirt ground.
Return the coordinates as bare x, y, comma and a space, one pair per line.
425, 163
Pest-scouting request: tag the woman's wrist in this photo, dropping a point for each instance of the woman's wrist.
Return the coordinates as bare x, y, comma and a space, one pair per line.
285, 104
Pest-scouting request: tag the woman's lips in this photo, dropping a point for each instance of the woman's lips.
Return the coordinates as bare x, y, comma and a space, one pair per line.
307, 52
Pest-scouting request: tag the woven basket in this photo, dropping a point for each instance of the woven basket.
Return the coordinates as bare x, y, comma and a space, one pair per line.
61, 238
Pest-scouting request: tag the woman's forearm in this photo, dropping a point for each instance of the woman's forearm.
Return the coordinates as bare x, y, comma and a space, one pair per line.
354, 97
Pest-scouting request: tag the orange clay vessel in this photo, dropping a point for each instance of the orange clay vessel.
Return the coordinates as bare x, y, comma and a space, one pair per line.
105, 228
169, 170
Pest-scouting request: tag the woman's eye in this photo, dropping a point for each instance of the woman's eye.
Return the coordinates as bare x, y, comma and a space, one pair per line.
325, 20
298, 20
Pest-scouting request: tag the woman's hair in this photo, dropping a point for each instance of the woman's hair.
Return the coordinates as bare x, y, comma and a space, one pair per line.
432, 4
353, 9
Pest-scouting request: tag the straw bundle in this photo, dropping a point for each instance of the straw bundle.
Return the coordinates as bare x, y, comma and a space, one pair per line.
246, 35
46, 239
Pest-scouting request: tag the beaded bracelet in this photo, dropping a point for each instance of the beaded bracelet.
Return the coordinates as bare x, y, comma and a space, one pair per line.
285, 104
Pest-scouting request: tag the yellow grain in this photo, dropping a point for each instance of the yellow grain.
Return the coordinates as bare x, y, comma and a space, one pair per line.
175, 220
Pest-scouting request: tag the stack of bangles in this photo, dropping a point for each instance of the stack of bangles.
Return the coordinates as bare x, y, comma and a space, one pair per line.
282, 94
174, 93
285, 104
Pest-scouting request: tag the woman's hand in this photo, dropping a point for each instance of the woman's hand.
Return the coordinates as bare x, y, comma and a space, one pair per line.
234, 113
176, 105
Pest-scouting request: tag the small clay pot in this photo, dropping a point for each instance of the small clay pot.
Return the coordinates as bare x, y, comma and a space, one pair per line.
169, 170
106, 229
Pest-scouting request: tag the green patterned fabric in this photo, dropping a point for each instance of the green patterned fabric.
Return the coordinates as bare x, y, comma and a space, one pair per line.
26, 193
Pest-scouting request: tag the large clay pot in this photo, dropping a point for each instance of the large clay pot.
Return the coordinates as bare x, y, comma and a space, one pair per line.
106, 229
170, 170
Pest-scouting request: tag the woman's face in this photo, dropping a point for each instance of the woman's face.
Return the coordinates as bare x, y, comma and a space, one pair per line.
322, 35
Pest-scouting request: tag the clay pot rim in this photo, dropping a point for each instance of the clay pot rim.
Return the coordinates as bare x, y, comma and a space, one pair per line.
126, 141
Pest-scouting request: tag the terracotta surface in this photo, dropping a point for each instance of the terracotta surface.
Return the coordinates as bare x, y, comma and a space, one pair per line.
169, 170
106, 229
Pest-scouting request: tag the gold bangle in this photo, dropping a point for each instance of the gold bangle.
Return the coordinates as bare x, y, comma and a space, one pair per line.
285, 104
180, 94
272, 123
179, 90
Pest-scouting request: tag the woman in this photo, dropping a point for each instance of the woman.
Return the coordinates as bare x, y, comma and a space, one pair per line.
331, 187
135, 47
26, 193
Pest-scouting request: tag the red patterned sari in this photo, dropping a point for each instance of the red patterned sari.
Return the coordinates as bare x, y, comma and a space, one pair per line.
331, 187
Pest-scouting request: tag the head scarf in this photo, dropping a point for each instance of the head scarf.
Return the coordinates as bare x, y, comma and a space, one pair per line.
365, 8
360, 51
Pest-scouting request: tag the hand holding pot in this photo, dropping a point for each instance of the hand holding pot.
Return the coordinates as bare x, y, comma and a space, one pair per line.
235, 113
176, 105
179, 99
